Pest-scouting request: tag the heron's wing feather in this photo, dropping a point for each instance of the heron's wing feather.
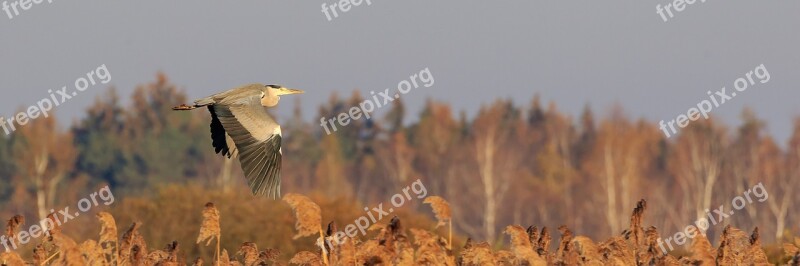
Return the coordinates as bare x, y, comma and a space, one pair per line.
258, 140
222, 142
232, 150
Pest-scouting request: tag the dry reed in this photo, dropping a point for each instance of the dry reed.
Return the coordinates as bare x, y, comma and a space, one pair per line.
390, 246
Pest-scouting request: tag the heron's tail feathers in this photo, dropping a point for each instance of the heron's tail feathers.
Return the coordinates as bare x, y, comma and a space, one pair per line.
199, 103
184, 107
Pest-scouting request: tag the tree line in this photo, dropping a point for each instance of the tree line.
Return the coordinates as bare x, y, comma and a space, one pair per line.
507, 165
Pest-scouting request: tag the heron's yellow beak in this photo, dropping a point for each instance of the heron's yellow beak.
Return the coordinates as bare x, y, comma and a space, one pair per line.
285, 91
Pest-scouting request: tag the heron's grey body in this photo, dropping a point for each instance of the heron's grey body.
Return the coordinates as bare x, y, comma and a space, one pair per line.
241, 127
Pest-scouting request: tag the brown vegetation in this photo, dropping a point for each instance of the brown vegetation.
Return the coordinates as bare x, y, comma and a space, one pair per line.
506, 164
392, 246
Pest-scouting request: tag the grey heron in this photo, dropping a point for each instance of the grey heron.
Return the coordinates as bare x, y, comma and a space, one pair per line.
241, 127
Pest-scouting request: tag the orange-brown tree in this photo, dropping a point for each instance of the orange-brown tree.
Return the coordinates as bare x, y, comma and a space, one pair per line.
498, 159
622, 156
696, 162
45, 156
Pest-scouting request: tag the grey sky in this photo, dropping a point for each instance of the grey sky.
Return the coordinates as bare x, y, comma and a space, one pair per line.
571, 52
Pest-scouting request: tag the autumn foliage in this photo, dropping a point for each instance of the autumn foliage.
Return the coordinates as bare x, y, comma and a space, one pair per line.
506, 163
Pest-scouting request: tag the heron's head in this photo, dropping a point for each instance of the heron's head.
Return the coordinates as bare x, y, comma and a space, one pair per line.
278, 90
272, 94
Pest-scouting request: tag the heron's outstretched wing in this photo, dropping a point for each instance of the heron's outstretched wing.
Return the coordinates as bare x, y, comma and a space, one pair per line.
222, 142
257, 138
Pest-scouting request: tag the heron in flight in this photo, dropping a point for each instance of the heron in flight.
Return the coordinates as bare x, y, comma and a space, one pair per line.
241, 127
